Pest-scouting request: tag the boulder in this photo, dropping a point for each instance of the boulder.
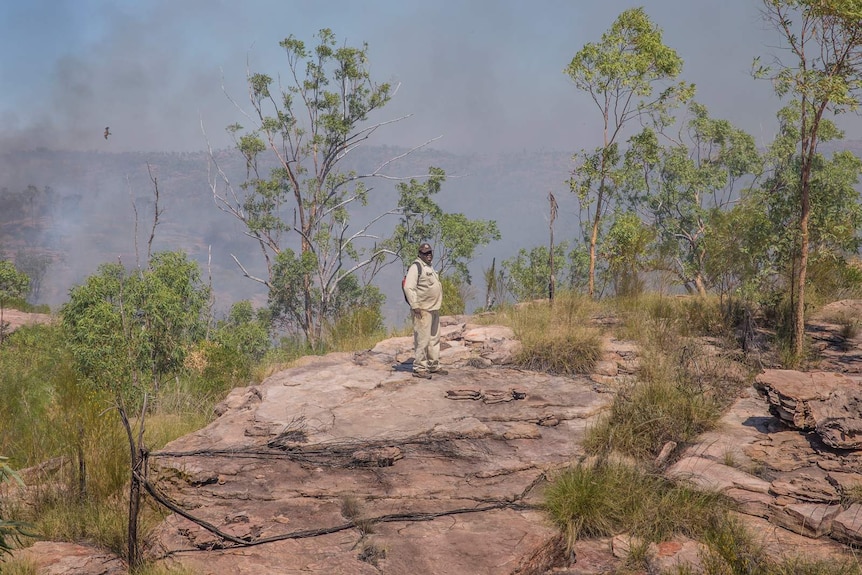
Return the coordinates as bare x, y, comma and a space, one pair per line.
790, 393
828, 403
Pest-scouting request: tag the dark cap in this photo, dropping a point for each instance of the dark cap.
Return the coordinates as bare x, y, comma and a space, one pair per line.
424, 248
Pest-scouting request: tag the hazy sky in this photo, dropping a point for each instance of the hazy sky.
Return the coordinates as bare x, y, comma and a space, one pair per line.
486, 75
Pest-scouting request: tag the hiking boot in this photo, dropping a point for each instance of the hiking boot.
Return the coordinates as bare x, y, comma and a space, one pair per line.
440, 371
422, 374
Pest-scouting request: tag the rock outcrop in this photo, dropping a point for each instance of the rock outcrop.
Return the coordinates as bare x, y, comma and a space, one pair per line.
827, 403
345, 464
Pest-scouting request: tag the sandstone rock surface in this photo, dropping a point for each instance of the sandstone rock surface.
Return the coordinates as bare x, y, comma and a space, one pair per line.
445, 474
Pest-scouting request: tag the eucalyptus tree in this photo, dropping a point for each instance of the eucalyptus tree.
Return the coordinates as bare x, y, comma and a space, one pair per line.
128, 331
455, 237
296, 200
683, 185
622, 75
823, 73
835, 214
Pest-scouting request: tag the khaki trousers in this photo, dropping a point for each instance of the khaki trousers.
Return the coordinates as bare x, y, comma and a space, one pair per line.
426, 341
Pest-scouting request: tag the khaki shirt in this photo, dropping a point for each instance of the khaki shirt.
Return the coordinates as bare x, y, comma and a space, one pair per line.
424, 290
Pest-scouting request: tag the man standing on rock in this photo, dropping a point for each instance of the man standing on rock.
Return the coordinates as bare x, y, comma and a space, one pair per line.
425, 295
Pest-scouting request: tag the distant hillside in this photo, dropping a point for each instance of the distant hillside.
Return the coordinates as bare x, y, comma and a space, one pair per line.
86, 216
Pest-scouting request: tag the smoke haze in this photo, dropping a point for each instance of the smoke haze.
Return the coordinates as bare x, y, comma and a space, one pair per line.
486, 76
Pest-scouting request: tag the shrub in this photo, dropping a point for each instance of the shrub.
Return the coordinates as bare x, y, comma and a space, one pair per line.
359, 329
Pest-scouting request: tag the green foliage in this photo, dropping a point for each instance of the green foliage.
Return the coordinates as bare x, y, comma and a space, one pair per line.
605, 499
822, 76
127, 328
13, 285
528, 273
245, 331
683, 186
238, 343
835, 212
352, 310
454, 237
453, 295
625, 249
763, 236
32, 360
736, 249
357, 329
128, 331
287, 286
11, 532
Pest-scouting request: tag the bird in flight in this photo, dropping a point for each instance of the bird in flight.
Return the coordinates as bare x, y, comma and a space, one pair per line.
107, 132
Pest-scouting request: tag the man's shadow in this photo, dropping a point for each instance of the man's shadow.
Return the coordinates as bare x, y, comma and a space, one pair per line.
406, 365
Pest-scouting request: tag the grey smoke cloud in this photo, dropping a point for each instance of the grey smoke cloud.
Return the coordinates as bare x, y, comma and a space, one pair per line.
484, 74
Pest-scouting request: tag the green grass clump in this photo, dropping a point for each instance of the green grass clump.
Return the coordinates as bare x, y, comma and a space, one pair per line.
644, 418
609, 498
101, 522
555, 337
651, 315
683, 387
568, 353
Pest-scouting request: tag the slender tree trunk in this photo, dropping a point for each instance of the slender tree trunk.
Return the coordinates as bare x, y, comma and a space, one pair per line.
82, 464
699, 285
593, 240
132, 555
134, 509
552, 278
809, 148
594, 234
799, 311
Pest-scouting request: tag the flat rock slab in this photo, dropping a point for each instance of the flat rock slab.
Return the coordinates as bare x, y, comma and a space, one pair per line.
404, 474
